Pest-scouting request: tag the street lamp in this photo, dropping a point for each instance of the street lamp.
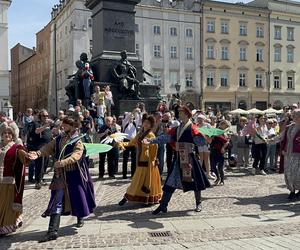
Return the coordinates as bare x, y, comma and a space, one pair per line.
177, 87
8, 109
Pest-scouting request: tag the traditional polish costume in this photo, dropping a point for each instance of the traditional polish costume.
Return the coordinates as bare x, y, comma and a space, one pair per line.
12, 178
72, 190
186, 172
145, 186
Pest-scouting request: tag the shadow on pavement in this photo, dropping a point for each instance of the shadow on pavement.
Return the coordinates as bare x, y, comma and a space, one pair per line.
144, 219
271, 202
19, 237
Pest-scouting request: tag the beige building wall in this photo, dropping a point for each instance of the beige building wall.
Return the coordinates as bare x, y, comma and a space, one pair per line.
221, 35
284, 51
72, 29
174, 29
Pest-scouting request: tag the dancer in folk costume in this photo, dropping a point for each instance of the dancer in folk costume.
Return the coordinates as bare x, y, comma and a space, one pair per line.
291, 148
186, 172
12, 178
72, 191
145, 186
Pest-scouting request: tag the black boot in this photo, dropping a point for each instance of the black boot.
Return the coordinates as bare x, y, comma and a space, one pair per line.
292, 196
163, 207
52, 229
122, 202
80, 222
198, 201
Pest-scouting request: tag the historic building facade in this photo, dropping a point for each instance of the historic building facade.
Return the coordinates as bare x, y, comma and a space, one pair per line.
235, 48
30, 70
284, 48
4, 72
168, 43
71, 34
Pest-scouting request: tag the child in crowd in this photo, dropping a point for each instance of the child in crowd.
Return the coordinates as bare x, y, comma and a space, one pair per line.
217, 150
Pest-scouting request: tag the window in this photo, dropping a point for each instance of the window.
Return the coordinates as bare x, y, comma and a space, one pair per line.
259, 31
243, 29
224, 79
173, 31
210, 78
173, 52
276, 82
189, 79
259, 55
156, 30
157, 78
290, 34
210, 52
137, 28
258, 82
156, 51
242, 54
290, 54
277, 54
277, 34
224, 53
290, 82
137, 49
189, 53
242, 80
211, 26
224, 27
189, 33
173, 78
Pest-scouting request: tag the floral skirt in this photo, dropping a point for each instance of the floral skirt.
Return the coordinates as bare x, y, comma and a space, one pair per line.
292, 172
10, 220
145, 186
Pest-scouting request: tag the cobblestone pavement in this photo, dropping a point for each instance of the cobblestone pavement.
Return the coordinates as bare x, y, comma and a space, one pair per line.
248, 212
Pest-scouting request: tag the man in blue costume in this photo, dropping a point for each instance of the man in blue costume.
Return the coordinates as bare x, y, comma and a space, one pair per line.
72, 190
186, 172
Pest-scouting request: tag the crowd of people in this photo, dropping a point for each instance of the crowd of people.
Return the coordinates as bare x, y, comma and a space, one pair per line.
166, 146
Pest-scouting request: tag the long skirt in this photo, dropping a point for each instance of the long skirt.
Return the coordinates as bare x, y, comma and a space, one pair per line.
292, 172
10, 220
143, 177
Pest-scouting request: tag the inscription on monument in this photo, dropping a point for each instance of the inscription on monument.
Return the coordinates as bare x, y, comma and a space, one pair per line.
118, 29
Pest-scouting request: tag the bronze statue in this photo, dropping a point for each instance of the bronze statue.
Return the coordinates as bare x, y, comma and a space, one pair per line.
125, 73
81, 84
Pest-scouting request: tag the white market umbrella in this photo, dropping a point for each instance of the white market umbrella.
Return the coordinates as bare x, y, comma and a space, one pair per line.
272, 111
255, 111
239, 111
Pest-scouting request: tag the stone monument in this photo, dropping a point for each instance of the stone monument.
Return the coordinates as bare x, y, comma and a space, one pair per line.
114, 31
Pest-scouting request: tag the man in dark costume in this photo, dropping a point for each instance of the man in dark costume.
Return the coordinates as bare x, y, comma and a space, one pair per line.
186, 172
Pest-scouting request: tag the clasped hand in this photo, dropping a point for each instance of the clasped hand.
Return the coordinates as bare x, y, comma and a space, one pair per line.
32, 155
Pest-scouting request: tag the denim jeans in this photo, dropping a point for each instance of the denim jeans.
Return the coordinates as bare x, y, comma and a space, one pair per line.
271, 152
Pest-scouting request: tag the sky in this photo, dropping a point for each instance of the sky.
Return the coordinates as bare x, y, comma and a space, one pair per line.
27, 17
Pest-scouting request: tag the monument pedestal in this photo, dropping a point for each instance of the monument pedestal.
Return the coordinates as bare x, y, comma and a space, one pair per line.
113, 32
